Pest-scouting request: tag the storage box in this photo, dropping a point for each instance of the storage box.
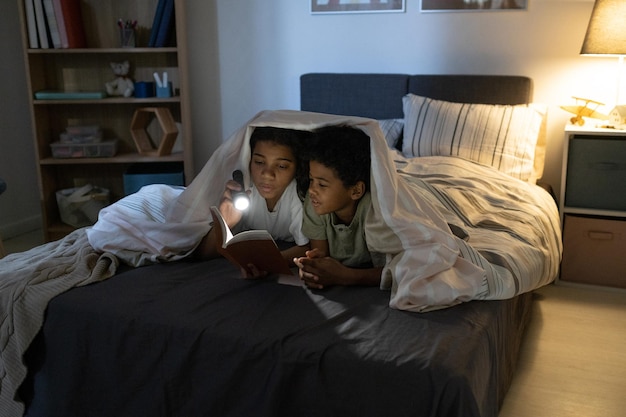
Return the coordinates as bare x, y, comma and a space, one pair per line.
84, 150
139, 175
81, 134
596, 173
593, 251
80, 206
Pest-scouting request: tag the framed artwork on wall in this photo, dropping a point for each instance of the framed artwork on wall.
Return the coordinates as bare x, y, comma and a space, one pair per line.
471, 5
356, 6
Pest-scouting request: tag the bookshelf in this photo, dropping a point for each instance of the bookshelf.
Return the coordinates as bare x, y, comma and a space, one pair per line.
88, 69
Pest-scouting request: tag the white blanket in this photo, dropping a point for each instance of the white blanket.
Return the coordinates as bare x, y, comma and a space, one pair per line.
427, 265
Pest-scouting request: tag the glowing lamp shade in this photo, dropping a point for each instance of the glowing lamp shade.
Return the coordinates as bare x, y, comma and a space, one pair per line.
606, 33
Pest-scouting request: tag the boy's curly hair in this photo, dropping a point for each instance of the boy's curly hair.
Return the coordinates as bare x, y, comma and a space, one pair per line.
297, 140
344, 149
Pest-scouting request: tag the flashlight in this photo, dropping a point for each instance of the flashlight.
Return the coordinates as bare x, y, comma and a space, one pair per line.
240, 198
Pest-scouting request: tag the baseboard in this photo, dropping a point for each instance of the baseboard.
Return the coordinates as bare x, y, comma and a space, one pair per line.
10, 230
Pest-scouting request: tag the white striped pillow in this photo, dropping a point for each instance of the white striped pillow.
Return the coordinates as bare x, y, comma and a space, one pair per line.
500, 136
392, 129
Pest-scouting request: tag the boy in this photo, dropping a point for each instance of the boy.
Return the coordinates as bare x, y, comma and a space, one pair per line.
335, 209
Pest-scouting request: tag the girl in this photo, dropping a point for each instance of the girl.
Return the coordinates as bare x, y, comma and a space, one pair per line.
279, 179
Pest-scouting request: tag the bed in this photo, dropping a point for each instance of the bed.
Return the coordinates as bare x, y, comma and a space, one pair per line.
190, 338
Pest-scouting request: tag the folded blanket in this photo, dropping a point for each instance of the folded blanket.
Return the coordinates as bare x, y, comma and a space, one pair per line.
28, 281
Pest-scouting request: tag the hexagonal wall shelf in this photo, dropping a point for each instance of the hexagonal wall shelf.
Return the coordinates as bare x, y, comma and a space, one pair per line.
141, 119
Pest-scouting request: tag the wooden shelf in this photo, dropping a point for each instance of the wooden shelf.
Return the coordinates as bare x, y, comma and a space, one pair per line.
82, 51
88, 69
117, 159
110, 100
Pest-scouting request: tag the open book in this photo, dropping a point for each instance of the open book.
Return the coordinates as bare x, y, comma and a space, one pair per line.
255, 247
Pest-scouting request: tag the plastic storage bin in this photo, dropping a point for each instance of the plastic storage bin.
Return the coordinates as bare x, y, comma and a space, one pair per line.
84, 150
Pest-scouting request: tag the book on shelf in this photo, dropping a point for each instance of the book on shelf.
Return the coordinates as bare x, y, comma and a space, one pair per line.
158, 14
68, 95
58, 13
31, 24
166, 26
255, 247
42, 30
73, 23
162, 25
51, 19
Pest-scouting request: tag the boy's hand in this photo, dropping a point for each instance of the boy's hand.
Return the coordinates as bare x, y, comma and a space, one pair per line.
317, 270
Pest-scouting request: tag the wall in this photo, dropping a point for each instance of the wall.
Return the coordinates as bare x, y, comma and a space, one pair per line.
19, 204
247, 56
263, 47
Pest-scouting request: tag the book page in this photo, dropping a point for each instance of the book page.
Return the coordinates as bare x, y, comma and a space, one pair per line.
250, 235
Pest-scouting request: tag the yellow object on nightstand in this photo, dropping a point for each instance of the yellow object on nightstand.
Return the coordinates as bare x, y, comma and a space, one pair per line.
582, 109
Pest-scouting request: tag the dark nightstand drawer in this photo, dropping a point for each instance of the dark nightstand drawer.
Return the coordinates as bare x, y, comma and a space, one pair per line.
596, 173
594, 251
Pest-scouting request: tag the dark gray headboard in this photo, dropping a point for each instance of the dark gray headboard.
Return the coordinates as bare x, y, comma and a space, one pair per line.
379, 96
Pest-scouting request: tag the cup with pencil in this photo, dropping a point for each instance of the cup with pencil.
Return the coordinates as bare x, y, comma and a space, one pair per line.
127, 32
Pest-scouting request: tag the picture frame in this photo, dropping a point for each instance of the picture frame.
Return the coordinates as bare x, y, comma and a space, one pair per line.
471, 5
359, 6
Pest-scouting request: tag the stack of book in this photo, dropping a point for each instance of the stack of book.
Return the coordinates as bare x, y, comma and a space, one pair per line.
55, 24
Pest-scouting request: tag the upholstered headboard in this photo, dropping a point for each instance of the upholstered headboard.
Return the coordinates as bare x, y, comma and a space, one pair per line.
379, 96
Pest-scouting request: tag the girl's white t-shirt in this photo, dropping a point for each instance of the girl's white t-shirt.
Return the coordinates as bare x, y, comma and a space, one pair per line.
284, 223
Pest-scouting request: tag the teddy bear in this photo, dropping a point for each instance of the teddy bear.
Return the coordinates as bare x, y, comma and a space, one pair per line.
122, 85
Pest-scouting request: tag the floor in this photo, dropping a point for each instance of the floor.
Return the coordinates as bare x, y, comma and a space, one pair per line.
573, 358
23, 242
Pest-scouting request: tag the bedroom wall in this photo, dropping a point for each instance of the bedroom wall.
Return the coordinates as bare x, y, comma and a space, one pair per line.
247, 56
19, 204
263, 47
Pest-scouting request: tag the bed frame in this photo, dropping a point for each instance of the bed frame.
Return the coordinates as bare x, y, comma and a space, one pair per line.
190, 338
379, 96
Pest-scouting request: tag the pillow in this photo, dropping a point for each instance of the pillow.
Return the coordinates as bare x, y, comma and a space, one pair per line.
392, 129
500, 136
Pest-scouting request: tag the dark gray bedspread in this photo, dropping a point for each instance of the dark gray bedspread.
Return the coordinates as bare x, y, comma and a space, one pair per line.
192, 339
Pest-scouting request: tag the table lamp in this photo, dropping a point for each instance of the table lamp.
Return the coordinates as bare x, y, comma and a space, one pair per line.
606, 33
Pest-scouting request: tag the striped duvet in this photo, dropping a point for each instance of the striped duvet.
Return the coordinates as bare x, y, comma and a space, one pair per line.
507, 227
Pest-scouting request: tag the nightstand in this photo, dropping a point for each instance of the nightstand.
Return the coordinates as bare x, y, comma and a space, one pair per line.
592, 206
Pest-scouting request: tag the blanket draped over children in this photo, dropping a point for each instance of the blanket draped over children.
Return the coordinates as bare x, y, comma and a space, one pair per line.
427, 267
